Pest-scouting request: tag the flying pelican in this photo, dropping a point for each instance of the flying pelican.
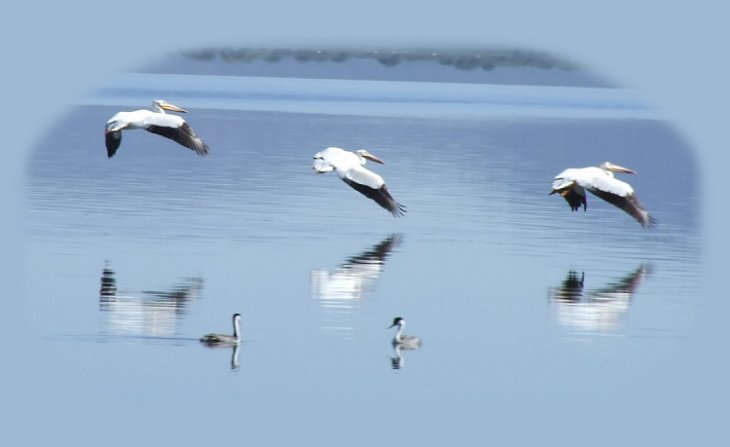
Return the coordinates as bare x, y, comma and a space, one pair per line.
572, 183
155, 121
350, 167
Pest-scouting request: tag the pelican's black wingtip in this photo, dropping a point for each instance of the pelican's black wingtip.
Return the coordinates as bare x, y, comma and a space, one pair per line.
650, 223
398, 210
201, 150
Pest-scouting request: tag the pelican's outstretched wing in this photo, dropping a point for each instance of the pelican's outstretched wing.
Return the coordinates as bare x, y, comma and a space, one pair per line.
630, 204
113, 140
381, 196
183, 135
372, 186
619, 194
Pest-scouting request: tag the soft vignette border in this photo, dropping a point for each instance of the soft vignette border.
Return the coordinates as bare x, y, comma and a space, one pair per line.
674, 54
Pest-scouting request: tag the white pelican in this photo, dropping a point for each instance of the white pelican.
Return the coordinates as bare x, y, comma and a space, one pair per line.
350, 167
224, 338
572, 183
155, 121
404, 341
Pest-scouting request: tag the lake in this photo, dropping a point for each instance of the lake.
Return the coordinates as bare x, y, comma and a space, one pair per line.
132, 259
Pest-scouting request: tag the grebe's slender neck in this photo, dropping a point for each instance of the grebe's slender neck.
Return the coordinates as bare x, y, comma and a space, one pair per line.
399, 331
237, 326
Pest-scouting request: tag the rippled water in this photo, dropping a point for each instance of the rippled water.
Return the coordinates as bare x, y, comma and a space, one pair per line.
132, 259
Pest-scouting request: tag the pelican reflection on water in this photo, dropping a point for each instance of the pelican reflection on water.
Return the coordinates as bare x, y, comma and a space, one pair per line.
355, 274
595, 310
147, 312
340, 290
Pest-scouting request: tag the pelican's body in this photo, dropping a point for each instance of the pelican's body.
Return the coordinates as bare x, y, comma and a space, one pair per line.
350, 167
155, 121
214, 339
404, 341
572, 183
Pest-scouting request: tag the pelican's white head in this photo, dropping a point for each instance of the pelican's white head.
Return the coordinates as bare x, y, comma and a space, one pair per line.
610, 167
365, 154
160, 105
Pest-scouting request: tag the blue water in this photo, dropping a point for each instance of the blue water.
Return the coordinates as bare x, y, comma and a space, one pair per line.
373, 98
132, 259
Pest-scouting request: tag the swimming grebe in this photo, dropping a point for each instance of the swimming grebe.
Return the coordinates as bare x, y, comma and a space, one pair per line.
404, 341
224, 338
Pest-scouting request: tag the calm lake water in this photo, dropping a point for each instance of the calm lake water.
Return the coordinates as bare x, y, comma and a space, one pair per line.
132, 259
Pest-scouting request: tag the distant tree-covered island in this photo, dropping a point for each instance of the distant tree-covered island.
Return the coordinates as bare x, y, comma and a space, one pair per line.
464, 59
480, 65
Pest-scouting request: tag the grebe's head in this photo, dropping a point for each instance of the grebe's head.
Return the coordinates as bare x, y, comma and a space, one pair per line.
397, 321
